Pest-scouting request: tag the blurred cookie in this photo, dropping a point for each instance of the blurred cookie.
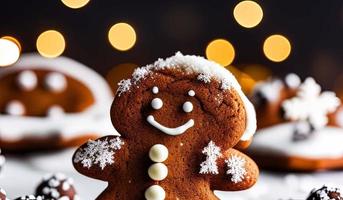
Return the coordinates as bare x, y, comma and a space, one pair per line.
31, 197
293, 129
51, 103
2, 194
57, 187
180, 119
325, 193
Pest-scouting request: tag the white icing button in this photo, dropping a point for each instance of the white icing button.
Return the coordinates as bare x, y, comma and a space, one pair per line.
27, 80
155, 90
187, 107
156, 103
55, 111
158, 153
15, 107
155, 192
191, 93
56, 82
158, 171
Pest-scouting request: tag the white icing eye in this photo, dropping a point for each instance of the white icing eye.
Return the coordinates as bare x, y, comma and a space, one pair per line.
155, 192
56, 82
156, 103
158, 171
155, 90
27, 80
187, 107
191, 93
55, 111
15, 107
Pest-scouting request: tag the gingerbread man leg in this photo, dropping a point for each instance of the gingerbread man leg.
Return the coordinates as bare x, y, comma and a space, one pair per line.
236, 172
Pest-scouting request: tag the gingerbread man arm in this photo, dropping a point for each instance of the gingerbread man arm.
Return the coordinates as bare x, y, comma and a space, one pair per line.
236, 172
101, 158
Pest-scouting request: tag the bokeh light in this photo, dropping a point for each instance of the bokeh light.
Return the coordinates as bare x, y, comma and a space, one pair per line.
122, 36
9, 51
75, 4
220, 51
277, 48
248, 14
257, 72
118, 73
50, 44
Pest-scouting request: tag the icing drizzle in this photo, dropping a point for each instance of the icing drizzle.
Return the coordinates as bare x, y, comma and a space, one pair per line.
170, 131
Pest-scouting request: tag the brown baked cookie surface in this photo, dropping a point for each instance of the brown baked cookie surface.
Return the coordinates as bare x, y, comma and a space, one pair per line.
51, 103
294, 131
179, 120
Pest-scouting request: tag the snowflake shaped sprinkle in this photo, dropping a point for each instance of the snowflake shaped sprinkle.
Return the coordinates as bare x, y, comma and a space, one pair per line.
311, 105
204, 78
98, 153
212, 152
236, 168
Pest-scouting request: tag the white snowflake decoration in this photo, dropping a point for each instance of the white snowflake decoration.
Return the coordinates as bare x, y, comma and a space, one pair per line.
236, 168
212, 152
310, 104
98, 153
204, 78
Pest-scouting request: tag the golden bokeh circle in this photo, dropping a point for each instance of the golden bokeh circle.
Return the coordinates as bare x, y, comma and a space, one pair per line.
220, 51
75, 4
277, 48
50, 44
122, 36
248, 14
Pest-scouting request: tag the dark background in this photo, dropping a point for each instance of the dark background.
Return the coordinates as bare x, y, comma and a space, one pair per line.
314, 28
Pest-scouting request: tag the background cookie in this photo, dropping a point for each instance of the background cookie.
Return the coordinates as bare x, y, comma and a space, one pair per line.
293, 132
179, 119
57, 187
51, 103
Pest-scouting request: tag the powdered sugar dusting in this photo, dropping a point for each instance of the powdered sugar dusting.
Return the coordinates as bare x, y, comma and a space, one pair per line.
236, 168
123, 86
207, 70
212, 152
99, 152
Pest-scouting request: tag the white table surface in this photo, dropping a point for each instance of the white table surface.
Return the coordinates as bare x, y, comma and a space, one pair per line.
21, 175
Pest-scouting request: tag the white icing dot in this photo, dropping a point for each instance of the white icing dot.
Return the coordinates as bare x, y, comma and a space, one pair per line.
155, 90
56, 82
158, 153
156, 103
292, 80
55, 111
191, 93
187, 107
155, 192
27, 80
158, 171
15, 107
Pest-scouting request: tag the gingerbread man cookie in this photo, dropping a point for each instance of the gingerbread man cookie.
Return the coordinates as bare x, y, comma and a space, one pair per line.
293, 126
51, 103
179, 120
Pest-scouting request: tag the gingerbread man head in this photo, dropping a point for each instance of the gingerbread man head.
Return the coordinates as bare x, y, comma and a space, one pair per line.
179, 120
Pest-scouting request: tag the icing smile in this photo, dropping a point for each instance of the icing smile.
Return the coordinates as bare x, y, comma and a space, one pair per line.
170, 131
157, 104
